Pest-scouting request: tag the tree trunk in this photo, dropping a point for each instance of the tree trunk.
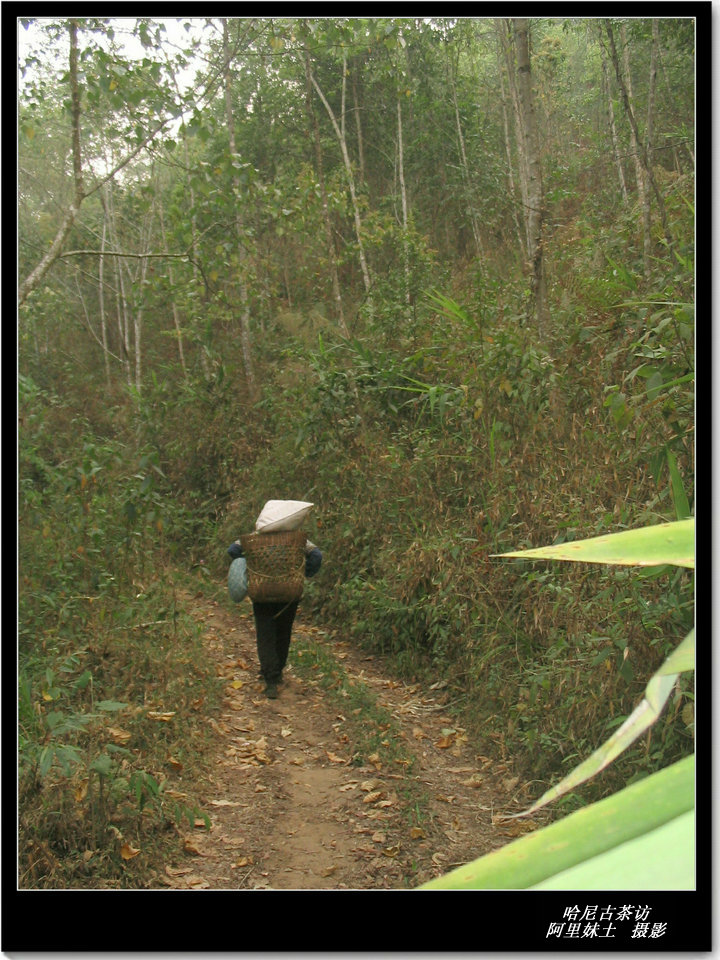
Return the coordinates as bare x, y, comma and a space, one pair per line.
138, 301
505, 30
329, 239
535, 186
649, 134
80, 193
36, 276
508, 155
123, 320
101, 303
241, 253
613, 128
358, 126
351, 186
467, 180
171, 278
638, 144
403, 201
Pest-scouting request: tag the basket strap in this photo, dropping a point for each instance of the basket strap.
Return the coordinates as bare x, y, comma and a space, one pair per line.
281, 612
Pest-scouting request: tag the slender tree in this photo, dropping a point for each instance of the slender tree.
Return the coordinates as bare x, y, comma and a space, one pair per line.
465, 166
241, 278
319, 169
612, 126
342, 141
171, 278
638, 142
531, 148
80, 191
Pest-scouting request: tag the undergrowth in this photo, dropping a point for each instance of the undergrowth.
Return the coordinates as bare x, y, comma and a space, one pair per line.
427, 452
113, 687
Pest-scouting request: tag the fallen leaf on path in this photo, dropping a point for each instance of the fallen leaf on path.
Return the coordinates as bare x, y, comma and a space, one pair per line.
419, 733
286, 732
189, 846
118, 735
244, 726
369, 784
454, 836
175, 794
373, 796
158, 715
225, 803
333, 758
175, 764
236, 684
177, 871
475, 781
348, 786
253, 751
127, 852
392, 851
243, 862
417, 833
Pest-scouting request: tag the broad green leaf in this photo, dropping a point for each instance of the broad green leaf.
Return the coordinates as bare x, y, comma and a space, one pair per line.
102, 765
646, 547
110, 705
680, 500
681, 659
584, 834
643, 716
47, 755
660, 860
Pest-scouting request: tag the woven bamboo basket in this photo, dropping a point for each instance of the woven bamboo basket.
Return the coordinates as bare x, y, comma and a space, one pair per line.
275, 565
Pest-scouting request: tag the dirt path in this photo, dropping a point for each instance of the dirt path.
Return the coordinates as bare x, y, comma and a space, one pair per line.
288, 809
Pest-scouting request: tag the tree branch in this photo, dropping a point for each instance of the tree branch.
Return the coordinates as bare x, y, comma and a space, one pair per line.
137, 256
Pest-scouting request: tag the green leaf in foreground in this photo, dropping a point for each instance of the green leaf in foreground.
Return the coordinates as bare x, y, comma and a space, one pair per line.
643, 716
635, 813
657, 860
645, 547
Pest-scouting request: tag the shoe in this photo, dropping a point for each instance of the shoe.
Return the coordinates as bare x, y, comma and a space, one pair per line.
271, 691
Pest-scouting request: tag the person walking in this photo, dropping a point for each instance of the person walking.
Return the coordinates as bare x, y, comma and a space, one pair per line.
274, 622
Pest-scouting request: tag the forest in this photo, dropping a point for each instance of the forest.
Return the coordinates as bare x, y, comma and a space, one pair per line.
436, 276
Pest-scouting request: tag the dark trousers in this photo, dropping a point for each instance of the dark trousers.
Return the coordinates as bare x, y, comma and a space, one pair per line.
273, 627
